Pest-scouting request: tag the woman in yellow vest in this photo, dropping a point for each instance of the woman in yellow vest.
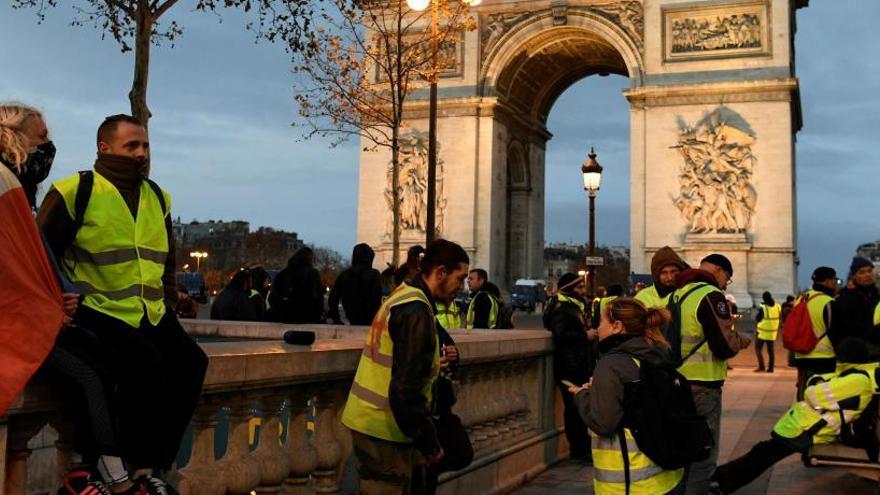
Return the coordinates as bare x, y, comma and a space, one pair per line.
830, 400
768, 318
628, 334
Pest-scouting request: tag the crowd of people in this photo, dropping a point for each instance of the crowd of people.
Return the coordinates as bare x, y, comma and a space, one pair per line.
96, 262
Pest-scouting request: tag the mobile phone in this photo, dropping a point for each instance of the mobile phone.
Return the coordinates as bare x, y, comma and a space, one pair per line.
568, 383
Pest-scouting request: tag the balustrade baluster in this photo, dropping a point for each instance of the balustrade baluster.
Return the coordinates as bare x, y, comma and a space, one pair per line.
21, 430
272, 457
200, 476
325, 442
240, 470
303, 457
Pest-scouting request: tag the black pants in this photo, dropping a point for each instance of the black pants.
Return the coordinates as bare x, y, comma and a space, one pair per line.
740, 472
158, 372
575, 430
78, 364
771, 354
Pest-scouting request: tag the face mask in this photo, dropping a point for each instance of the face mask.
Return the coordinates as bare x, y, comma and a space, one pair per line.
38, 164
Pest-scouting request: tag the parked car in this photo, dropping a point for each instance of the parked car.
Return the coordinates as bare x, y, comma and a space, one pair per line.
195, 285
526, 294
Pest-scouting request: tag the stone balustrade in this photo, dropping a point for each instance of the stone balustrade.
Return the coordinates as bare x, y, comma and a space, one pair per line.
506, 400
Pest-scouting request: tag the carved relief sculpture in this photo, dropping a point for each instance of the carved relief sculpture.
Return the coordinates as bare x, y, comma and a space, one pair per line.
716, 194
736, 29
628, 14
414, 186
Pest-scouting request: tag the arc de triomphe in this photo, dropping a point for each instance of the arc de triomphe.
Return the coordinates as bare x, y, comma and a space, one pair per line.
714, 108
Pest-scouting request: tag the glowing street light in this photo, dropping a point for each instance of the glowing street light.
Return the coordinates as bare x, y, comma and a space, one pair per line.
198, 255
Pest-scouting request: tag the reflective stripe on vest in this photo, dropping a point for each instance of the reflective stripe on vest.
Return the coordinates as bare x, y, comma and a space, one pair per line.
448, 316
493, 311
651, 299
702, 365
816, 302
609, 470
877, 315
117, 261
768, 327
368, 409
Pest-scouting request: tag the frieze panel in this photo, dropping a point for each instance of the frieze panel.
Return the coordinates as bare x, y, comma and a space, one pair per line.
716, 193
414, 187
450, 55
716, 31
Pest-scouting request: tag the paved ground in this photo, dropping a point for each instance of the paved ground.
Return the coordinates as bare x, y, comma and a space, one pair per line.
752, 404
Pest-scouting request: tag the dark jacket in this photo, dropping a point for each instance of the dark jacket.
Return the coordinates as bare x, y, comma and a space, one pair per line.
572, 354
233, 304
713, 313
483, 304
602, 408
297, 295
411, 328
852, 315
359, 289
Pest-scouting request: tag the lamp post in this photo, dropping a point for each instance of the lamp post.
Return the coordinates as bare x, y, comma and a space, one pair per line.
592, 173
198, 255
431, 214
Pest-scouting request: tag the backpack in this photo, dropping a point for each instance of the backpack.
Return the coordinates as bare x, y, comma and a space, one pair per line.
797, 332
663, 419
672, 330
549, 308
84, 194
504, 319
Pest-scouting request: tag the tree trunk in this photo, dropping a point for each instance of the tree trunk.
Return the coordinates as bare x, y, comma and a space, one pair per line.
395, 196
138, 95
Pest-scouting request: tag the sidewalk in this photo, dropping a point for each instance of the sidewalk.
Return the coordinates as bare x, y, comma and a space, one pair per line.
752, 403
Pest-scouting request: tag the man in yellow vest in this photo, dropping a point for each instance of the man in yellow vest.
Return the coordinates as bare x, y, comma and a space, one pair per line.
611, 293
111, 230
831, 400
448, 314
483, 308
818, 300
767, 319
704, 315
665, 266
389, 407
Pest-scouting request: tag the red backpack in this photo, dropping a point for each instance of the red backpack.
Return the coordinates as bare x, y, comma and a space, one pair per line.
797, 333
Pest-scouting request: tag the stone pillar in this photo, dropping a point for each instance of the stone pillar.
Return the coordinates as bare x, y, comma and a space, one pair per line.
303, 457
272, 457
326, 444
240, 470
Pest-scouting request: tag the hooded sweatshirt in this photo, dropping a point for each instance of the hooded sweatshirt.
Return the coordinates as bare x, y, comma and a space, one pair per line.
602, 409
662, 258
359, 288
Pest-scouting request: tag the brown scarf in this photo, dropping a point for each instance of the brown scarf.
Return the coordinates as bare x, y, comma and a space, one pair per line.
126, 175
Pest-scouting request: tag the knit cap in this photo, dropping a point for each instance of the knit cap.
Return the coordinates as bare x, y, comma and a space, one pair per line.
719, 260
858, 263
665, 256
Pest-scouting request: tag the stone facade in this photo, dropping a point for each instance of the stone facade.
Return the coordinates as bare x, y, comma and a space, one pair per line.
714, 109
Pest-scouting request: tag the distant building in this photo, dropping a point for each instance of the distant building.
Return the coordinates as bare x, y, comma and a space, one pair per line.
560, 258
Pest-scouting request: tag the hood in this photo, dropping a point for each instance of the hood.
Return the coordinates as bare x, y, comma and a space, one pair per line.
303, 257
694, 275
362, 254
491, 289
665, 257
639, 348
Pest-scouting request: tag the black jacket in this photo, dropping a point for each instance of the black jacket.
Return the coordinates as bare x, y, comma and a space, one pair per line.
297, 295
852, 315
412, 328
483, 304
572, 351
234, 305
359, 289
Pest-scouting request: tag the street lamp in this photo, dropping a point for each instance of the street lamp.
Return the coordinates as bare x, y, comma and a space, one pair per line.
198, 255
431, 215
592, 173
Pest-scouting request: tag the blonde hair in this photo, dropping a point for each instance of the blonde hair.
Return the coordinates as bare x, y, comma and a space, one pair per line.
639, 320
13, 117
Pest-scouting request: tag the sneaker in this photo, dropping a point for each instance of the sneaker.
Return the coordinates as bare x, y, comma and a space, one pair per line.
769, 370
758, 370
156, 486
79, 482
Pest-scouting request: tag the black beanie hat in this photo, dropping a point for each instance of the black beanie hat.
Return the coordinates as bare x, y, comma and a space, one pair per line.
719, 260
823, 273
858, 263
567, 282
852, 350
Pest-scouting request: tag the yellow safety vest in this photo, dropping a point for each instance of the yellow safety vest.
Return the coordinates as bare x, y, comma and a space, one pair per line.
603, 303
448, 316
768, 327
609, 475
822, 402
493, 311
702, 365
877, 315
651, 299
368, 410
816, 302
117, 261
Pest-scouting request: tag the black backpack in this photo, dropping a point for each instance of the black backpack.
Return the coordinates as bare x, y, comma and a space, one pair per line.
504, 319
84, 194
672, 330
661, 414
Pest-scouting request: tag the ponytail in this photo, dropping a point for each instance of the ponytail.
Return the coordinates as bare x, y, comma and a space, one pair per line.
639, 320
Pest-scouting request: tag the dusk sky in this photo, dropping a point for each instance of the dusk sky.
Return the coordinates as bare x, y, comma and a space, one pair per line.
224, 147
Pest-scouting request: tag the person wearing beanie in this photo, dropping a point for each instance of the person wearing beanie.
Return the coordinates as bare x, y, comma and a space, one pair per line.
853, 310
814, 420
699, 295
818, 300
572, 356
665, 266
769, 315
